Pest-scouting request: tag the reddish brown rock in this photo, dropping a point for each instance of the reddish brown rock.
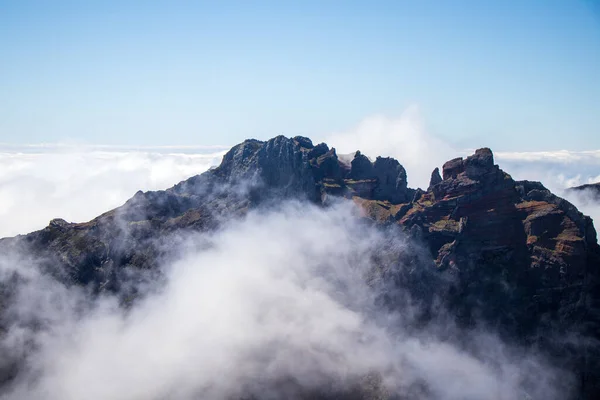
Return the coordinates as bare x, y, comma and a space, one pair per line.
505, 254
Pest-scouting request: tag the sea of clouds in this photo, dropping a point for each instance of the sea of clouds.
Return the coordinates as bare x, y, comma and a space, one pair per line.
280, 294
77, 183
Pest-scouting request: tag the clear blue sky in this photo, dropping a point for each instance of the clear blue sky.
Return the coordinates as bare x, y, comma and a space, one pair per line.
511, 74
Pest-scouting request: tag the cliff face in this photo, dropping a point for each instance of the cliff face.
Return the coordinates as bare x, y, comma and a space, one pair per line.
526, 261
140, 233
295, 167
520, 258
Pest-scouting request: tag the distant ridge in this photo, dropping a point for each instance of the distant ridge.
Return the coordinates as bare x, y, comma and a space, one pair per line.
592, 188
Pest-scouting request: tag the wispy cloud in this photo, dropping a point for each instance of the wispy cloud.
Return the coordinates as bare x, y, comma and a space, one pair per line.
403, 137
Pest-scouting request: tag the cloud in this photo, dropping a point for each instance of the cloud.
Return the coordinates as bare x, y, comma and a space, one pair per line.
558, 171
280, 294
561, 156
404, 138
77, 184
278, 305
73, 147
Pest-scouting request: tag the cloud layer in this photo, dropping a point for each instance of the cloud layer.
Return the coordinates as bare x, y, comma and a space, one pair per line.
78, 184
276, 306
284, 293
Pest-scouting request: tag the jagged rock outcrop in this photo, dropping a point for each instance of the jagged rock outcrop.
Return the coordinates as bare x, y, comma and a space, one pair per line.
295, 167
435, 178
362, 168
516, 256
526, 261
391, 178
254, 171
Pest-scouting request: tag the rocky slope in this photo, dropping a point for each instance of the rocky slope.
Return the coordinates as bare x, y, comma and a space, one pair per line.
518, 258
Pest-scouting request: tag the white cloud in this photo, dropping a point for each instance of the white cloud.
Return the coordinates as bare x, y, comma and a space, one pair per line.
279, 294
282, 294
403, 137
406, 139
78, 184
558, 171
561, 156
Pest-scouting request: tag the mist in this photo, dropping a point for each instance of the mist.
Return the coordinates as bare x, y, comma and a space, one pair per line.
282, 304
78, 183
403, 137
406, 138
558, 171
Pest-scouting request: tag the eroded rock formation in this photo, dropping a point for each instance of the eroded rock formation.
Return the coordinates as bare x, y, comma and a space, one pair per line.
521, 259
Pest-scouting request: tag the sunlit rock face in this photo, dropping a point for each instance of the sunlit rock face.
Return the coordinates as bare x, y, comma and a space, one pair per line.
504, 254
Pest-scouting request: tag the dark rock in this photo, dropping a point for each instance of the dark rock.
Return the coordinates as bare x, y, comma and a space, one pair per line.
239, 162
515, 248
58, 223
327, 166
361, 167
318, 151
417, 196
475, 166
524, 187
452, 168
284, 167
503, 254
479, 164
304, 142
435, 178
391, 180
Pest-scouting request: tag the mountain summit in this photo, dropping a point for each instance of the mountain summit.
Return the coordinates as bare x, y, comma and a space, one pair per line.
503, 253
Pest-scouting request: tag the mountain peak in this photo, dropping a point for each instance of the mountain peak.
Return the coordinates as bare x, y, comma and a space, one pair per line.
294, 166
474, 166
512, 254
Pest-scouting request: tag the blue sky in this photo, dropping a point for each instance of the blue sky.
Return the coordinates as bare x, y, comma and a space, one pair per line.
512, 75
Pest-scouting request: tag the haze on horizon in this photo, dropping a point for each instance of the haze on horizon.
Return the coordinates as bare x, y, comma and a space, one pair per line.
511, 75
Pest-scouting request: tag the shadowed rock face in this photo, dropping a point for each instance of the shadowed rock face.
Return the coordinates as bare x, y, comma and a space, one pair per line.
435, 178
297, 168
516, 256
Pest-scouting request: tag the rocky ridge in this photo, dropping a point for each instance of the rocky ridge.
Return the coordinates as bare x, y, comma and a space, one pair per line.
521, 259
593, 189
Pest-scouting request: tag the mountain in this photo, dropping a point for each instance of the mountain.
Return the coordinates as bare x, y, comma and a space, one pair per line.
593, 189
507, 254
